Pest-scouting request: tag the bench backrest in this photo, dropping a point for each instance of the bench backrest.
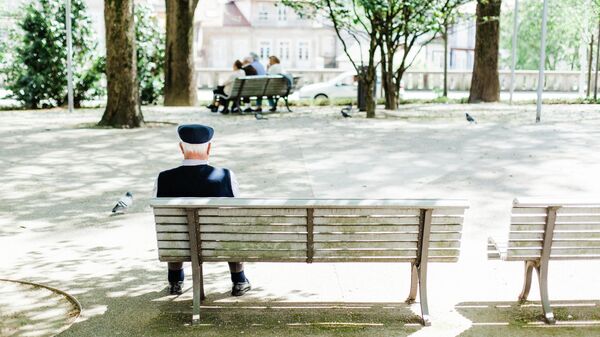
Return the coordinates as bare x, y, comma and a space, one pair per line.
259, 86
293, 230
571, 230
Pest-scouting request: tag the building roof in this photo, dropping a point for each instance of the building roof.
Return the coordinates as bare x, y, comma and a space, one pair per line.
233, 17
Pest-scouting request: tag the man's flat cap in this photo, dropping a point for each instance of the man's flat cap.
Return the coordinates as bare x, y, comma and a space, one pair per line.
195, 133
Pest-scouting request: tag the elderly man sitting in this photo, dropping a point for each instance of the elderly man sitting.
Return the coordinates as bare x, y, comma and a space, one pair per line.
196, 178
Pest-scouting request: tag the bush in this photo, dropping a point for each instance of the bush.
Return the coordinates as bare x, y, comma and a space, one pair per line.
35, 68
150, 48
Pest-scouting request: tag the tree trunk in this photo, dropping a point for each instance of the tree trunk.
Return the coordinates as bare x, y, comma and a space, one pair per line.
123, 104
370, 78
485, 85
387, 78
180, 80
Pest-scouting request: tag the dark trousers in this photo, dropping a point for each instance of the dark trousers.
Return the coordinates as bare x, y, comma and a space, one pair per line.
234, 267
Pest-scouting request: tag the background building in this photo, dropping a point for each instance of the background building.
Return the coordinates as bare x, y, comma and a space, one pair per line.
229, 30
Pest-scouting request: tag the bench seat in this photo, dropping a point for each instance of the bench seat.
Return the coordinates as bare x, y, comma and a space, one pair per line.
544, 230
309, 230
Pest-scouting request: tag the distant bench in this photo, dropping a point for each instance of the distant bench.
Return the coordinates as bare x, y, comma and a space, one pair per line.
312, 230
545, 230
275, 86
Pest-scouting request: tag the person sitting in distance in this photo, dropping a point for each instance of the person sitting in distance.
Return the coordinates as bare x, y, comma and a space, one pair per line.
222, 91
274, 68
249, 70
196, 178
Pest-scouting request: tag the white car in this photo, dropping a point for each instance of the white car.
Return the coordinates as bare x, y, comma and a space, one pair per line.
344, 85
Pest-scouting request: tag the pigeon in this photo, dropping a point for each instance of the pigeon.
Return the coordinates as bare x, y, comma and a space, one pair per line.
123, 203
259, 116
470, 118
345, 111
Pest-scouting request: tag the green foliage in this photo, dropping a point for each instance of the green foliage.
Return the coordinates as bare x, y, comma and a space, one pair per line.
150, 48
35, 68
566, 26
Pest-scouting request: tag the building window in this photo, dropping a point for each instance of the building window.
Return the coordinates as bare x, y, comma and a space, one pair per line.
281, 13
284, 50
264, 50
303, 51
263, 12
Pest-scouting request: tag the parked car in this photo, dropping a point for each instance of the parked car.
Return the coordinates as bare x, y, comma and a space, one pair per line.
344, 85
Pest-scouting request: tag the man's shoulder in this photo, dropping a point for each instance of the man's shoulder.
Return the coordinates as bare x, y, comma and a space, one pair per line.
170, 171
179, 169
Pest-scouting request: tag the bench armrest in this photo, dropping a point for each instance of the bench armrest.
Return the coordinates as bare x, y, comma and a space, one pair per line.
495, 251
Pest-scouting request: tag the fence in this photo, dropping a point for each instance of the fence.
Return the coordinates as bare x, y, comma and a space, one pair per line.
525, 80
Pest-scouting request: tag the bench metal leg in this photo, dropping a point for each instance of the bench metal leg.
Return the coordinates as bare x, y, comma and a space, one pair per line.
287, 105
423, 294
542, 270
414, 279
529, 265
202, 295
197, 292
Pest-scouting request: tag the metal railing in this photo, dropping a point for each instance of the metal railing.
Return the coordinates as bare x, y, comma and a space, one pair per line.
525, 80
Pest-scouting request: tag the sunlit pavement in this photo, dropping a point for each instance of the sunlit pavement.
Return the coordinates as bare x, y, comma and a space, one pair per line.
60, 178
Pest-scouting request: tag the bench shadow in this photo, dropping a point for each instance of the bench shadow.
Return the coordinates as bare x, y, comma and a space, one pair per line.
275, 318
574, 318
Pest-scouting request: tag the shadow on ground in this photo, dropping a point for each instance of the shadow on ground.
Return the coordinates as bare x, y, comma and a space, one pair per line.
574, 318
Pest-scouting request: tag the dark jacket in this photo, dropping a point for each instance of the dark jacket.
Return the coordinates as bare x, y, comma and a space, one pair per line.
249, 70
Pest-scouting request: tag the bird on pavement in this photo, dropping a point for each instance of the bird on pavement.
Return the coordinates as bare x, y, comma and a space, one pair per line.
346, 111
470, 118
123, 203
260, 116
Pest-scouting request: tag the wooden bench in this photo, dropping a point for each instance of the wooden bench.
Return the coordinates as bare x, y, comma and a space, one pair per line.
541, 231
312, 230
276, 86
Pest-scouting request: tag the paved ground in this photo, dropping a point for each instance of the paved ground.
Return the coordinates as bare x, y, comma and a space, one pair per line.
61, 176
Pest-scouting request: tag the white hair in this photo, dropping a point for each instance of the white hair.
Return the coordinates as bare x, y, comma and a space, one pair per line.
198, 148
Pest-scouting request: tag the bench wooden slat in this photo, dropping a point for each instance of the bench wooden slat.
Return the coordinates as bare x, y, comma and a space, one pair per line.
251, 229
233, 245
442, 211
320, 212
255, 253
399, 220
252, 259
367, 228
173, 236
172, 228
173, 252
175, 258
558, 227
383, 228
320, 237
366, 253
174, 244
255, 220
578, 218
386, 252
169, 211
362, 236
529, 210
557, 235
253, 237
170, 219
382, 244
578, 210
575, 243
252, 212
528, 219
405, 220
304, 203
